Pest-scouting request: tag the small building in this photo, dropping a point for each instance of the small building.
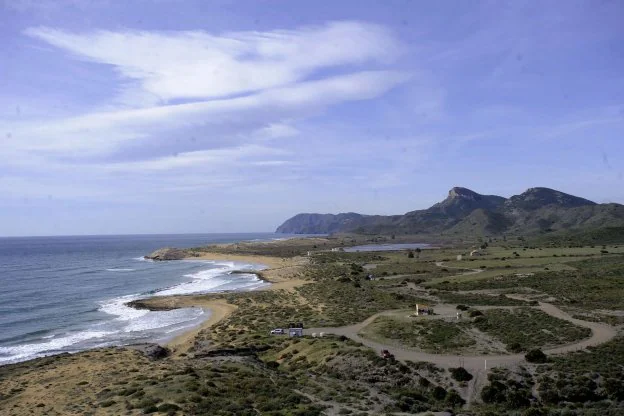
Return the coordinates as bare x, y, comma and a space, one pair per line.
295, 330
475, 253
459, 257
423, 310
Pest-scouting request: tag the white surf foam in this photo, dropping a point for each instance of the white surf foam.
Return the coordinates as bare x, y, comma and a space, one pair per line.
26, 351
133, 319
216, 279
118, 308
130, 324
163, 319
142, 259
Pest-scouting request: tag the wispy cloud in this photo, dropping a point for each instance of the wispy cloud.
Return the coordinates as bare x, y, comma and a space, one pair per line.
240, 96
105, 131
197, 65
241, 87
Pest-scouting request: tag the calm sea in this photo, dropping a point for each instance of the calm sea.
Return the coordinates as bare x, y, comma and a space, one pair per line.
66, 294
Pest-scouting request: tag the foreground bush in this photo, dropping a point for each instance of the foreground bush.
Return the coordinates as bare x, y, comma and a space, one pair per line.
536, 356
460, 374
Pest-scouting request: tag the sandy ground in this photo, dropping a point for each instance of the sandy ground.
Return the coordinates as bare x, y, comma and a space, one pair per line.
218, 309
280, 270
282, 273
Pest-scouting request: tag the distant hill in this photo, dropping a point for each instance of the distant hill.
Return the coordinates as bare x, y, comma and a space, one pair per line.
311, 223
465, 212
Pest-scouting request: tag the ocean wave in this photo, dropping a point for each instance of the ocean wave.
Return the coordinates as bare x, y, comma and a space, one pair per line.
56, 344
217, 279
143, 319
142, 259
127, 324
118, 308
164, 319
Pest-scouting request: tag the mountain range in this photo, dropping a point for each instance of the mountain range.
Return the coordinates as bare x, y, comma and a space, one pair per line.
537, 210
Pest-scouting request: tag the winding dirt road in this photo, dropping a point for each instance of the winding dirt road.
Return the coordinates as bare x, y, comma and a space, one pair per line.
601, 333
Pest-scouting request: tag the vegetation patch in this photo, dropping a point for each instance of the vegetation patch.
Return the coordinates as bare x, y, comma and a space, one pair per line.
596, 283
435, 335
526, 328
592, 377
476, 299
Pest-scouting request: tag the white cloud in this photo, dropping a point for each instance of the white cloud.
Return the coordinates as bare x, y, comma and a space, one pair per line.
276, 131
104, 131
196, 65
214, 158
237, 94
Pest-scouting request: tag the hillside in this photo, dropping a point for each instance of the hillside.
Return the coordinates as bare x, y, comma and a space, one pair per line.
536, 211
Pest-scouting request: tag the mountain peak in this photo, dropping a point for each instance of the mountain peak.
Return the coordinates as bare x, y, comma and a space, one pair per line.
462, 201
458, 191
535, 198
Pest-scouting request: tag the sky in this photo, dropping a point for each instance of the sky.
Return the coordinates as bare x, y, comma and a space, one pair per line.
171, 116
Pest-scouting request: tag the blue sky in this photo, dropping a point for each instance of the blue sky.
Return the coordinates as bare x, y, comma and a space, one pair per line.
170, 116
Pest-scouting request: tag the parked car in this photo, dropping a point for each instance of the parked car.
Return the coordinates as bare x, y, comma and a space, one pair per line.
387, 355
277, 331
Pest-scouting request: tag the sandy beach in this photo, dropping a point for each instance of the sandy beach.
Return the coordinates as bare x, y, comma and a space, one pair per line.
282, 273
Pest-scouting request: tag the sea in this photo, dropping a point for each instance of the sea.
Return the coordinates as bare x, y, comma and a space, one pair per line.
68, 294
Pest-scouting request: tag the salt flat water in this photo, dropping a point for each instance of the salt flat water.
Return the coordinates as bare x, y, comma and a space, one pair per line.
386, 247
66, 294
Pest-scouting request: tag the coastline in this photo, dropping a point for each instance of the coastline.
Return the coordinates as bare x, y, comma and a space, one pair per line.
281, 273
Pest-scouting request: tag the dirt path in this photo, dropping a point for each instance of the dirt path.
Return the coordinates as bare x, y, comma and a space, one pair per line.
468, 273
601, 333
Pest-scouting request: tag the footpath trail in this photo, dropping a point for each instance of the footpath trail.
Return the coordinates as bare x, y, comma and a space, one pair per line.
601, 333
467, 273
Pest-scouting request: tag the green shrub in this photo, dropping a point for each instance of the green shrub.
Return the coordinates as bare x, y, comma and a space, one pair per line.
515, 347
166, 407
460, 374
438, 393
107, 403
536, 356
454, 399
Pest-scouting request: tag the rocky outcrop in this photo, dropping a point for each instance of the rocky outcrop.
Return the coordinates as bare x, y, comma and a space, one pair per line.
151, 351
167, 253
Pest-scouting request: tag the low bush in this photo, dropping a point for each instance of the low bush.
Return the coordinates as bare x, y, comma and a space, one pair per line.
460, 374
536, 356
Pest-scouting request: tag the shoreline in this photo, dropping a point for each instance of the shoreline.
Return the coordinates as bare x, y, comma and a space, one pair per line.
279, 274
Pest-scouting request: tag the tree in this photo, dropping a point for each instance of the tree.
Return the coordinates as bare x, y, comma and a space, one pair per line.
410, 254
